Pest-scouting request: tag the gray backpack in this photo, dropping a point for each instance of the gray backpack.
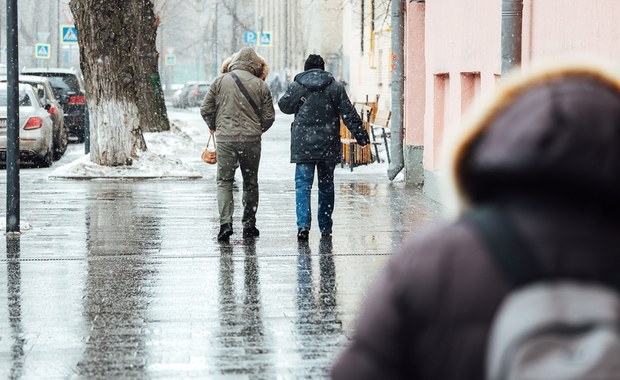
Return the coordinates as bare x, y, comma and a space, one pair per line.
547, 328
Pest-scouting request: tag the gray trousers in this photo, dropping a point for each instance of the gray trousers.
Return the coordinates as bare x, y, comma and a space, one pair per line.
230, 155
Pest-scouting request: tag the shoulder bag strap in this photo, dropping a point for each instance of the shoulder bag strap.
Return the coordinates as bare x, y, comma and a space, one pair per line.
509, 250
304, 97
245, 93
209, 140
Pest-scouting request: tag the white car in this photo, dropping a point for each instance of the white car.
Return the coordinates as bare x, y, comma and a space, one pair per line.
36, 142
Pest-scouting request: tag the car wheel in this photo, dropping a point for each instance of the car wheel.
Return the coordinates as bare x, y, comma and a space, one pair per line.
47, 161
80, 136
60, 143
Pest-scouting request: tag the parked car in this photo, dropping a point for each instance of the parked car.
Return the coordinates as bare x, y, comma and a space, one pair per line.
68, 87
179, 97
197, 93
43, 89
191, 95
36, 142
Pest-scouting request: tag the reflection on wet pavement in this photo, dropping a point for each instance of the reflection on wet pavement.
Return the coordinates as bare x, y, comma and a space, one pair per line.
118, 292
241, 336
14, 305
319, 329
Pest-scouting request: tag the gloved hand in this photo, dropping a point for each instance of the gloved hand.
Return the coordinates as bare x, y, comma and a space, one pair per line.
362, 140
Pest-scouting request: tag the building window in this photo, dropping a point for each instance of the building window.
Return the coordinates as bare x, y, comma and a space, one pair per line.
440, 113
470, 89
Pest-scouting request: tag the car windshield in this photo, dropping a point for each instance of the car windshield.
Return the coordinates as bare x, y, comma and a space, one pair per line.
61, 84
24, 99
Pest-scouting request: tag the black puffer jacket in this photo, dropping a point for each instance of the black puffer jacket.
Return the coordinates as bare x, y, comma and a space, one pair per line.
315, 132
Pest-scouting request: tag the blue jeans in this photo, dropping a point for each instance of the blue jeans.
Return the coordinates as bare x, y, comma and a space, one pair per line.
304, 177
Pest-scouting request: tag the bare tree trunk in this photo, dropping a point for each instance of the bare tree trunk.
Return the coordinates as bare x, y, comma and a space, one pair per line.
118, 59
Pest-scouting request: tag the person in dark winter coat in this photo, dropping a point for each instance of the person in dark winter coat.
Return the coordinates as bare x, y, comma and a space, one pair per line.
318, 101
545, 151
238, 129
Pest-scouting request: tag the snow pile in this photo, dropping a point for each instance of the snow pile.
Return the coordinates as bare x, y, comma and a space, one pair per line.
161, 160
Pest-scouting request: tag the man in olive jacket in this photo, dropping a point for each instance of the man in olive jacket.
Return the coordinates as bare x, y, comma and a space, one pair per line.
318, 101
238, 128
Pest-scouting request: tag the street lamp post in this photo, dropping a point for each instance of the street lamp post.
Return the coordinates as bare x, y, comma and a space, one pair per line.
12, 133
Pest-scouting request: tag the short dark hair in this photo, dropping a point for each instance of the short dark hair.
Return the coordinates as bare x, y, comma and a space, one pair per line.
314, 61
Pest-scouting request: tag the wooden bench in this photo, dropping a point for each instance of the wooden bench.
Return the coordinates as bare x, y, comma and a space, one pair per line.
352, 153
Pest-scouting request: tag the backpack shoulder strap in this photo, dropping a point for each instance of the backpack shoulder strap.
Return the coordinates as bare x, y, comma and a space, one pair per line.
245, 93
509, 250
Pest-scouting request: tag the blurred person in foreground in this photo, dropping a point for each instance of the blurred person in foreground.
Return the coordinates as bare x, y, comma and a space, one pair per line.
318, 101
238, 129
545, 150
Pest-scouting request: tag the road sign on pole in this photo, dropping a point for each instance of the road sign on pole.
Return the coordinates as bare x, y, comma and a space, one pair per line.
171, 60
249, 38
265, 39
68, 35
42, 51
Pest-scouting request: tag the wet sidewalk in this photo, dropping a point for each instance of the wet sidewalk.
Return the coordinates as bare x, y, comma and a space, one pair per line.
125, 279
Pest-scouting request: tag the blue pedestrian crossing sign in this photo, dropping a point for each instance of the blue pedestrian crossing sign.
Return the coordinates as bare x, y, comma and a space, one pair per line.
42, 51
265, 39
68, 35
249, 38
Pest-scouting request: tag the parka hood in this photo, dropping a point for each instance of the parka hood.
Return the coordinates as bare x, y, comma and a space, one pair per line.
314, 79
247, 59
552, 133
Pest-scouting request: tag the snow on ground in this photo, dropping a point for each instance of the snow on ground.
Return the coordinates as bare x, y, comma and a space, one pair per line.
164, 158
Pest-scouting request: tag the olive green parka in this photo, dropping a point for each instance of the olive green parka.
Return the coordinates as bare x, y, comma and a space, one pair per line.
226, 110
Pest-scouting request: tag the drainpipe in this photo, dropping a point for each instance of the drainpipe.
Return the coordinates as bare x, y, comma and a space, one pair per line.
398, 88
512, 23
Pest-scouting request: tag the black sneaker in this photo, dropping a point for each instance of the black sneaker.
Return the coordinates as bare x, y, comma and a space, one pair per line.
302, 234
326, 234
225, 232
250, 232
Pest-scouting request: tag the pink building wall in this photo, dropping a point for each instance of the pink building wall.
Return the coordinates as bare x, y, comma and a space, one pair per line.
460, 58
415, 75
559, 27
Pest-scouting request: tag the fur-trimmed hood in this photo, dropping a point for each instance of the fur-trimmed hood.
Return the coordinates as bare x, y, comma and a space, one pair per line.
551, 131
246, 59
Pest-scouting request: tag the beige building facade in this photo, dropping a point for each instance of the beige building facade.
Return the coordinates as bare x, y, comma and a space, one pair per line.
299, 28
353, 36
367, 39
